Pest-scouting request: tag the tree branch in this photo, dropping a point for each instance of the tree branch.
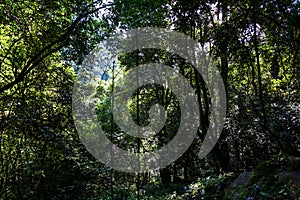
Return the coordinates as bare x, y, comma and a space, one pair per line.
45, 52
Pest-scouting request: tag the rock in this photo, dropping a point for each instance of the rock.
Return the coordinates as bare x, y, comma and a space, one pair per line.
241, 180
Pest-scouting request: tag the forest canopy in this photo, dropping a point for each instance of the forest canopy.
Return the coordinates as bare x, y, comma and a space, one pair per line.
255, 46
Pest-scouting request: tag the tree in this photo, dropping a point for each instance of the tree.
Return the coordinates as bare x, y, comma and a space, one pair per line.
40, 151
33, 31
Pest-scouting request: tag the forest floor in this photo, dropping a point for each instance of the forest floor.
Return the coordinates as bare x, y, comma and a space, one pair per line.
269, 180
273, 179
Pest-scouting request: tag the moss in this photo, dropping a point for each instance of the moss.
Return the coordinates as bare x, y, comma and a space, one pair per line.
265, 170
237, 193
265, 182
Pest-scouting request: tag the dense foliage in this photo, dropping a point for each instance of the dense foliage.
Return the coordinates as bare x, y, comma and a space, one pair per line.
255, 45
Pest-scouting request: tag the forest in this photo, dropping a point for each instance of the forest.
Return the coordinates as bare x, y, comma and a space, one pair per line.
45, 48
